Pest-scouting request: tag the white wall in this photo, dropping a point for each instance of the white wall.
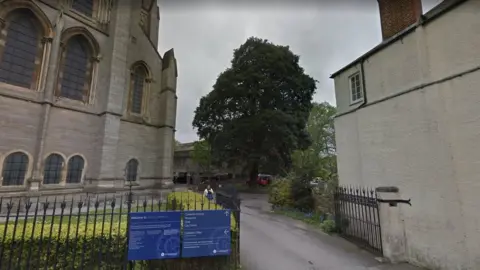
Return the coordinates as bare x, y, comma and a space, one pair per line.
426, 142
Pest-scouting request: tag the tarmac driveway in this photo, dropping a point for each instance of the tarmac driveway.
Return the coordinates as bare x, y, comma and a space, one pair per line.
273, 242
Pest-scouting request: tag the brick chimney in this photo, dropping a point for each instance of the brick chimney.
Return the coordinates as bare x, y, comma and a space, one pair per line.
396, 15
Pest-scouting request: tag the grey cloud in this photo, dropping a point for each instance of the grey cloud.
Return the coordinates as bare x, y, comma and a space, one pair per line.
326, 36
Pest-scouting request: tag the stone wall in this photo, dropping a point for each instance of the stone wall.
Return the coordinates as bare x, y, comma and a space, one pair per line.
101, 130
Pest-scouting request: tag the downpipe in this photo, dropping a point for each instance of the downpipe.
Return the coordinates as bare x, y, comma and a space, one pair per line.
364, 89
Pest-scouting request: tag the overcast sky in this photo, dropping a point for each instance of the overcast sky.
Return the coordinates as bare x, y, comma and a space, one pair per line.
204, 34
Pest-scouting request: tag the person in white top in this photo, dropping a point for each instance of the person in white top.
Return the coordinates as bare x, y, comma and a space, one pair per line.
208, 193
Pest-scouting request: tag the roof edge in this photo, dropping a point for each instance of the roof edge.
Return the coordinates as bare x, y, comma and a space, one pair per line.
377, 48
434, 13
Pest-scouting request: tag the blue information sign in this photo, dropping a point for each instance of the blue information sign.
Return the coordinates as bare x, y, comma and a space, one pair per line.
206, 233
154, 235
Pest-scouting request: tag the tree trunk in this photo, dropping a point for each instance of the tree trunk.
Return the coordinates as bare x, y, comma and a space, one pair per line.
253, 174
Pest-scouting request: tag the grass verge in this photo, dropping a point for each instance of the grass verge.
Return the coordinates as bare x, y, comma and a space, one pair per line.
316, 220
312, 219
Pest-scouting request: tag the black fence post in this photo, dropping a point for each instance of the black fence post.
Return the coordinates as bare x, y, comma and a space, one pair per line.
128, 263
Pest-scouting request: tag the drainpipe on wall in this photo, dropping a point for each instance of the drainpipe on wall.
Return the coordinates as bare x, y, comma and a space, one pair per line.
364, 90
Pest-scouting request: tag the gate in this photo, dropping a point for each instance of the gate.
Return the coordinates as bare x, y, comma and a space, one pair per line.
357, 217
91, 231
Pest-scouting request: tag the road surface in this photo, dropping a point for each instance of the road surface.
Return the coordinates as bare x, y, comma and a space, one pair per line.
273, 242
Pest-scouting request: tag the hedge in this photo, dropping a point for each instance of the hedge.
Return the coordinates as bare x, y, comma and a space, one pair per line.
92, 250
96, 244
84, 244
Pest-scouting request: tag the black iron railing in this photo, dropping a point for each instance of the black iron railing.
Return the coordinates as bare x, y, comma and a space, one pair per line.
357, 217
90, 231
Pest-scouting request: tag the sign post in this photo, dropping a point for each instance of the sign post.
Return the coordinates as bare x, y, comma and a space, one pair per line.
154, 235
206, 233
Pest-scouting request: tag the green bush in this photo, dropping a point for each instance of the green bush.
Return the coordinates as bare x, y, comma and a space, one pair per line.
302, 196
33, 245
279, 193
328, 226
292, 192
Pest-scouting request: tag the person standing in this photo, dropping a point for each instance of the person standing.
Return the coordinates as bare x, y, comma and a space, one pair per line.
208, 193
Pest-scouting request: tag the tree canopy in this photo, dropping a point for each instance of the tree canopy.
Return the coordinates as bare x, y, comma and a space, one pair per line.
318, 160
258, 109
201, 154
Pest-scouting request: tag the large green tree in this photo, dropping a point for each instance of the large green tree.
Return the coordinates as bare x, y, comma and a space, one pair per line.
258, 109
318, 160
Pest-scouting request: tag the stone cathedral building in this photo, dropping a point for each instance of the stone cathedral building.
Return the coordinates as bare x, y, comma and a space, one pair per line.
86, 101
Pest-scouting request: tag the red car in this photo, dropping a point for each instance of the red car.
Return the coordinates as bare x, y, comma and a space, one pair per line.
264, 179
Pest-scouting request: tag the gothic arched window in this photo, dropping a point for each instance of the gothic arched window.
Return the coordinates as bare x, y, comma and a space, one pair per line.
132, 170
15, 167
21, 51
52, 172
138, 87
78, 65
75, 167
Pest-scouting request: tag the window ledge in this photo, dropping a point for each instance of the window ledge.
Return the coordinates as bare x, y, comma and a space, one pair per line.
136, 118
12, 87
18, 92
74, 104
51, 186
356, 102
13, 188
132, 183
70, 101
60, 186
